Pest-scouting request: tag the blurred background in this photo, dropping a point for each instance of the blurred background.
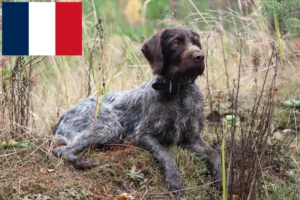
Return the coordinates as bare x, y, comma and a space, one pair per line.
139, 18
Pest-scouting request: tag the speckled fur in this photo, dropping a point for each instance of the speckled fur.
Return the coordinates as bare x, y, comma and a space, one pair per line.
154, 119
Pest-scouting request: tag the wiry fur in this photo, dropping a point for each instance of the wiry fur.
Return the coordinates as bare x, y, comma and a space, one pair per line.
153, 118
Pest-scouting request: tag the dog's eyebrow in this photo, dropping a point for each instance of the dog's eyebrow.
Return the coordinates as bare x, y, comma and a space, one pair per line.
177, 37
172, 34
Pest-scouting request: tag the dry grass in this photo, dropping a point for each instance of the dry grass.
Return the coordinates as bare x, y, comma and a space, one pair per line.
34, 171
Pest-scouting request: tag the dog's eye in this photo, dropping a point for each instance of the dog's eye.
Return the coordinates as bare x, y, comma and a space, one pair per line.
198, 44
176, 43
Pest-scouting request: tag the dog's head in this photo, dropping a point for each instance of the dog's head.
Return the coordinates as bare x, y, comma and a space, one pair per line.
175, 53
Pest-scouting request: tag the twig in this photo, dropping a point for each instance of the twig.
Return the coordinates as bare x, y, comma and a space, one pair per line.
207, 82
26, 65
233, 129
263, 88
144, 194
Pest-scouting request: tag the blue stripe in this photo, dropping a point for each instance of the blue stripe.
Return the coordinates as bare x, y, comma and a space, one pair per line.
15, 28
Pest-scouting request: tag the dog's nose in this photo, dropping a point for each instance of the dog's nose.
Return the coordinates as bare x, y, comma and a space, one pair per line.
198, 56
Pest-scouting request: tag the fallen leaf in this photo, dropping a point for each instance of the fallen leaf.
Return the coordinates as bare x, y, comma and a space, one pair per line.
51, 170
286, 131
124, 196
294, 147
43, 170
235, 197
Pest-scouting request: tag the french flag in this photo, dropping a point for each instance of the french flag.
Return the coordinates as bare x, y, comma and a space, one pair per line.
41, 28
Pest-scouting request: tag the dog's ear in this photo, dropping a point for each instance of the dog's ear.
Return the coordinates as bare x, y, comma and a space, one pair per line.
153, 53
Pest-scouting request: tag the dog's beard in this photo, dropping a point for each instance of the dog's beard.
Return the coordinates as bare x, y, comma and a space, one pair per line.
184, 73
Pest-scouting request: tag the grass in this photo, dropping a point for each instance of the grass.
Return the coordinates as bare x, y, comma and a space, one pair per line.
112, 61
51, 177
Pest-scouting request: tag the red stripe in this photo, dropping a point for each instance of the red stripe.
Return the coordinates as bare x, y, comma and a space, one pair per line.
68, 28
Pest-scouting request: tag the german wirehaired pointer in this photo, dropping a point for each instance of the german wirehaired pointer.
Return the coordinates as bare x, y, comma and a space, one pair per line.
165, 111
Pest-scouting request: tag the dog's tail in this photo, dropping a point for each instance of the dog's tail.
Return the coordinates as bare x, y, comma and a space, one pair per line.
54, 128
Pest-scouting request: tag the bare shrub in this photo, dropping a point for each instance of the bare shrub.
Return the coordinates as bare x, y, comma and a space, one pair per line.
16, 85
248, 151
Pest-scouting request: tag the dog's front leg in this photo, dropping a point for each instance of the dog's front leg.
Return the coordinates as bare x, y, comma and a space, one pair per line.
208, 154
171, 174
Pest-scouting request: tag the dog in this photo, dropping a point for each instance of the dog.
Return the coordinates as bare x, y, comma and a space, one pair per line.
167, 110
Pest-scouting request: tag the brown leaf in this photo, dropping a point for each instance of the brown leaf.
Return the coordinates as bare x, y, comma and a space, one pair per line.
294, 147
124, 196
43, 170
234, 197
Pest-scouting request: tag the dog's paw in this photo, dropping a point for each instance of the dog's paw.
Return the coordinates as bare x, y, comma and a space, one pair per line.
83, 163
173, 183
217, 177
58, 152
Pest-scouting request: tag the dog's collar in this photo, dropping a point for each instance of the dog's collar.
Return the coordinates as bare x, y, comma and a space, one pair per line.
165, 85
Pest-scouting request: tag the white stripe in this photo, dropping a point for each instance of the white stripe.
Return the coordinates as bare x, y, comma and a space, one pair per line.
42, 28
